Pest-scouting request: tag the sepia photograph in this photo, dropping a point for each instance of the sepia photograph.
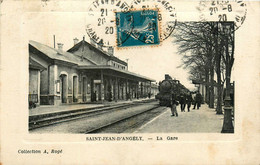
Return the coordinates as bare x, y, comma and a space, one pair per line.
89, 89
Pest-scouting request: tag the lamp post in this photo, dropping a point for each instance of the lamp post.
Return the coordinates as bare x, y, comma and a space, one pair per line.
228, 28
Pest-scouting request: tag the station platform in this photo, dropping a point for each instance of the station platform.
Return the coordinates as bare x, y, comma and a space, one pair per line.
49, 109
203, 120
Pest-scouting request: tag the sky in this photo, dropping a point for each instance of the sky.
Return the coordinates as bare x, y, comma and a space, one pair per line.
152, 62
68, 20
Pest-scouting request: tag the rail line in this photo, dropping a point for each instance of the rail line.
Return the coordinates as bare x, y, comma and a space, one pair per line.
56, 118
123, 119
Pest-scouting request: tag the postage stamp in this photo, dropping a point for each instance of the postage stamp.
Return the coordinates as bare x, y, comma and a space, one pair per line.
137, 28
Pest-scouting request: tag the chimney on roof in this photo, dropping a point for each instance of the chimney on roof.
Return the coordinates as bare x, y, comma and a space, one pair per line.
60, 46
75, 41
110, 50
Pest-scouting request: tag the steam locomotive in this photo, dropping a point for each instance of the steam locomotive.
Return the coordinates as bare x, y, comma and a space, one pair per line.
169, 87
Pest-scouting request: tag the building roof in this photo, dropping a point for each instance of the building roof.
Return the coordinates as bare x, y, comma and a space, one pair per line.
59, 55
105, 54
81, 63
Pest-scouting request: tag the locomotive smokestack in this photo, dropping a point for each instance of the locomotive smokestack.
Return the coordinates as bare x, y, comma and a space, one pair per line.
167, 77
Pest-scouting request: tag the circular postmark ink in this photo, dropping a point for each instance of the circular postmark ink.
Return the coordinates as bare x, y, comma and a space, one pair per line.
101, 21
166, 16
223, 11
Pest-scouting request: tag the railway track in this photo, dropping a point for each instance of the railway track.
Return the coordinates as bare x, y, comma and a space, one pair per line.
38, 121
121, 124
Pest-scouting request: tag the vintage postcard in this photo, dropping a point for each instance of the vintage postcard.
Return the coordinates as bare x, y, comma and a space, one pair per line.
130, 82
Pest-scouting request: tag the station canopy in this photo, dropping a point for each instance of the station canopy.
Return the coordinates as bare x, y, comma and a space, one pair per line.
112, 71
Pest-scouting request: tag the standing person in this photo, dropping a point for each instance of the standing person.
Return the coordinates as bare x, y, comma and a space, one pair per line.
198, 99
149, 95
95, 96
110, 96
189, 101
182, 102
174, 104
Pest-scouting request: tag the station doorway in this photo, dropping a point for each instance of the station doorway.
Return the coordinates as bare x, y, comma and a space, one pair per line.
64, 82
75, 89
98, 91
84, 94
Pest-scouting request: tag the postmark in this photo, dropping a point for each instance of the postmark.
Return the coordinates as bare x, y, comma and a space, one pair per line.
105, 25
223, 11
101, 21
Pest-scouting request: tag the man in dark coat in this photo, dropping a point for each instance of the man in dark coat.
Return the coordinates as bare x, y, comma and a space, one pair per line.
198, 100
189, 101
182, 102
95, 96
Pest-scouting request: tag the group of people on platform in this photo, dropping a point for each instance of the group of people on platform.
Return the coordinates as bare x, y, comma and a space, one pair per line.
184, 100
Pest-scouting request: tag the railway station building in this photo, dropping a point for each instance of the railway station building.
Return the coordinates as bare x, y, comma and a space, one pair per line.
85, 73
